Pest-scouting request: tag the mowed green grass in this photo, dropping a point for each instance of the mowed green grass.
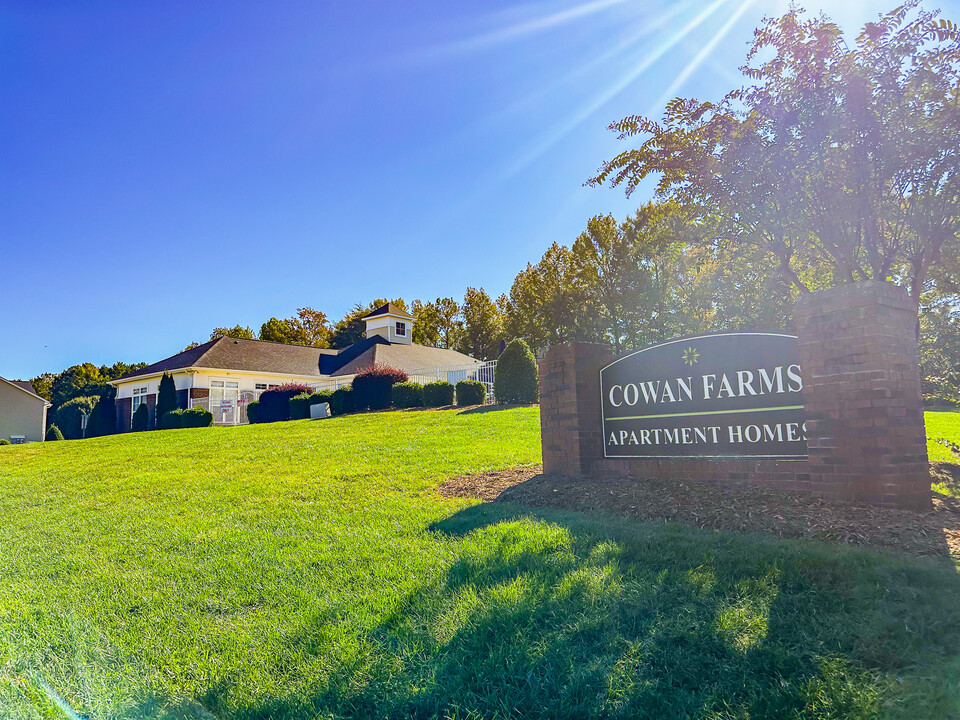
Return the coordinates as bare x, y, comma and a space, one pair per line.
944, 425
309, 569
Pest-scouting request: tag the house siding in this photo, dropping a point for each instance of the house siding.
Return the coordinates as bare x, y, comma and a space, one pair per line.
21, 414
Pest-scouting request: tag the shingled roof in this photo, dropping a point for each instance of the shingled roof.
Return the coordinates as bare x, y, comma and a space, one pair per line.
269, 357
388, 309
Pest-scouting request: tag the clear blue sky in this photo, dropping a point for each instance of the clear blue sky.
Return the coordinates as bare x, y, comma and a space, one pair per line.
169, 167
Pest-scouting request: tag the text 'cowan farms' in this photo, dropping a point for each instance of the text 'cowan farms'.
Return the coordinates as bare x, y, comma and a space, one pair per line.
721, 395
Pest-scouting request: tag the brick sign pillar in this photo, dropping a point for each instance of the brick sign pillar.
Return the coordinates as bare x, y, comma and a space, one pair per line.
570, 423
861, 394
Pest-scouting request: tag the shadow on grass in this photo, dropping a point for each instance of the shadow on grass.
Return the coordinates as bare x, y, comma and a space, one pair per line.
552, 614
494, 408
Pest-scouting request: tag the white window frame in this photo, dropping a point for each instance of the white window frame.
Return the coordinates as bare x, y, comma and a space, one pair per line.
401, 329
139, 398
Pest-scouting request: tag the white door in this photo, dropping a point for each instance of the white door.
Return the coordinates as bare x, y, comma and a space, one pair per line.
224, 396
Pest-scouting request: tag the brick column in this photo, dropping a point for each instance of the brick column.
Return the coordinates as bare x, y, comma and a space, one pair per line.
570, 427
861, 390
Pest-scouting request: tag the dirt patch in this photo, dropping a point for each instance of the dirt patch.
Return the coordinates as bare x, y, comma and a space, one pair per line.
738, 508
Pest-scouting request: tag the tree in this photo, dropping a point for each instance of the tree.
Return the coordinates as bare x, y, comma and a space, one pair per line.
515, 378
313, 326
102, 419
43, 385
836, 156
68, 417
75, 381
237, 331
482, 326
166, 397
282, 331
438, 323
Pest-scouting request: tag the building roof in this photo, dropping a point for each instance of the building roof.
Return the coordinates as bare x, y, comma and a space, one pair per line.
389, 309
269, 357
26, 387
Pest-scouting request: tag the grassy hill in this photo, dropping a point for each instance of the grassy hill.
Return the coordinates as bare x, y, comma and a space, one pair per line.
309, 569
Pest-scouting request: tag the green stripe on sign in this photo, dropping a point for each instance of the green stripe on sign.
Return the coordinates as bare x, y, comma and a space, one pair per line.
707, 412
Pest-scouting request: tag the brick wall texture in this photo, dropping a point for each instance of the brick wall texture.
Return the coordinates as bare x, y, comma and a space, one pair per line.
860, 367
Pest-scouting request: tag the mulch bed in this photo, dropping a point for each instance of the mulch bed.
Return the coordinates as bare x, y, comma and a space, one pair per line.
744, 508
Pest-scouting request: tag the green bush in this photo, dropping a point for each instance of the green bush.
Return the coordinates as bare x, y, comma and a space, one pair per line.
53, 434
171, 420
275, 402
253, 412
372, 386
341, 402
438, 394
166, 397
515, 379
196, 417
4, 441
408, 395
301, 404
471, 392
68, 416
141, 418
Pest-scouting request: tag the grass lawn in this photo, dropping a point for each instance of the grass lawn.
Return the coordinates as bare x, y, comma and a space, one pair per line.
308, 569
942, 425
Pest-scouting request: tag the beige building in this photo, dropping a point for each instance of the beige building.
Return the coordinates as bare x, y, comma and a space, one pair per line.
23, 413
227, 374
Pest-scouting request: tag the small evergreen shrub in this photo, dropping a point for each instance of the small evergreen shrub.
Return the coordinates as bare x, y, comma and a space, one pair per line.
372, 387
407, 395
195, 417
515, 379
171, 420
275, 403
4, 441
341, 402
53, 434
253, 412
471, 392
141, 418
438, 394
300, 406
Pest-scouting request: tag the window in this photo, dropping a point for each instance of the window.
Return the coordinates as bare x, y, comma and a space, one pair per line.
401, 329
260, 386
139, 397
273, 386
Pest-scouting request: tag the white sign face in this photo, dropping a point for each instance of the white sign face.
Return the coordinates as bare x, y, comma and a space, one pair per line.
719, 395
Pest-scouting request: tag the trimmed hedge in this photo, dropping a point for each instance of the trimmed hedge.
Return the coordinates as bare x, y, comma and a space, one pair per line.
275, 403
193, 418
253, 412
407, 395
4, 441
515, 379
372, 387
301, 404
438, 394
341, 402
141, 418
53, 434
471, 392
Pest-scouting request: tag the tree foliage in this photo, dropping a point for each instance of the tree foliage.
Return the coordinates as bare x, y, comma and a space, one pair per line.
166, 397
833, 156
237, 331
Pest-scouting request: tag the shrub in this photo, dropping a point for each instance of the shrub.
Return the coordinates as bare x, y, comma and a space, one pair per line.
438, 394
515, 379
166, 397
4, 441
301, 404
53, 434
68, 416
407, 395
275, 403
372, 387
253, 412
471, 392
170, 420
341, 402
103, 417
195, 417
141, 418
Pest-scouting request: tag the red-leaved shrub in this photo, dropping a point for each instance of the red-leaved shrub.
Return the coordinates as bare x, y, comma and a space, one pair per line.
275, 402
372, 387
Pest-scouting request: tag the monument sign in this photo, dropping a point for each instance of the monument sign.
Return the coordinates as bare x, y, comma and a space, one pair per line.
719, 395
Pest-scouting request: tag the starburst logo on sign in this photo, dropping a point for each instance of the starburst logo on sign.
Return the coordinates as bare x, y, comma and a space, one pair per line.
690, 355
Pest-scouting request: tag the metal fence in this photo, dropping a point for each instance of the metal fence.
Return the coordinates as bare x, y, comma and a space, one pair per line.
481, 372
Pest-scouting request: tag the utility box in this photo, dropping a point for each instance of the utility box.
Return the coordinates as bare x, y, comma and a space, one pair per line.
319, 411
18, 439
